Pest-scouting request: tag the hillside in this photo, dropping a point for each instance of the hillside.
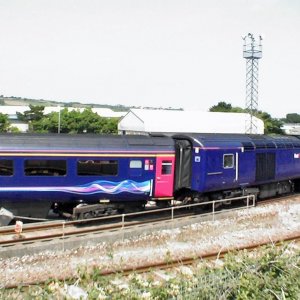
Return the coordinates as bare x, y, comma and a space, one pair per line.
25, 101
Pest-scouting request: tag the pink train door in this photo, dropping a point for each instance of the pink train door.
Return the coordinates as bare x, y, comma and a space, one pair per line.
164, 176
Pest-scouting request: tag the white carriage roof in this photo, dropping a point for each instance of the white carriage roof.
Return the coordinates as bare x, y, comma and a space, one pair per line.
146, 120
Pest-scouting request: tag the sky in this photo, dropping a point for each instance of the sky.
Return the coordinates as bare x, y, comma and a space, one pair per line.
158, 53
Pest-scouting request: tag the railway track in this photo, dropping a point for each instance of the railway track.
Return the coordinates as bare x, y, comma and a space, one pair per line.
277, 200
175, 259
191, 260
63, 230
44, 231
174, 263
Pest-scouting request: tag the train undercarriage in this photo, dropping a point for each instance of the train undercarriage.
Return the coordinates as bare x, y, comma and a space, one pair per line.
260, 192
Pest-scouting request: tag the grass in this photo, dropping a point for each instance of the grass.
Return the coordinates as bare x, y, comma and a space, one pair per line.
269, 273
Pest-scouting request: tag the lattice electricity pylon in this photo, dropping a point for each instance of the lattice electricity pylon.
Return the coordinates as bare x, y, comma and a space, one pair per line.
252, 52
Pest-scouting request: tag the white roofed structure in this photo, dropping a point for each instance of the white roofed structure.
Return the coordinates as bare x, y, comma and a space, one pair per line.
291, 128
139, 121
103, 112
12, 110
108, 113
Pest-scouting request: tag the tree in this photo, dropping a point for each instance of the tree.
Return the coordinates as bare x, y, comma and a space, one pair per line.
110, 126
76, 122
292, 118
221, 107
34, 114
14, 129
271, 125
4, 123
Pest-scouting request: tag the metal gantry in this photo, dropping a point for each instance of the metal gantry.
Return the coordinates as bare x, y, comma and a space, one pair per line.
252, 52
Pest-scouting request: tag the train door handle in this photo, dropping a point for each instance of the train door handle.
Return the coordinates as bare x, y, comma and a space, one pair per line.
157, 177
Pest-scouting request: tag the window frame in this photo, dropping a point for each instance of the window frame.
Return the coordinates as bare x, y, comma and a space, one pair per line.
135, 161
169, 164
12, 167
47, 160
115, 162
232, 161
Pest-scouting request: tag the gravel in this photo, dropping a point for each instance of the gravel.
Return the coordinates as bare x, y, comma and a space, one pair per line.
271, 222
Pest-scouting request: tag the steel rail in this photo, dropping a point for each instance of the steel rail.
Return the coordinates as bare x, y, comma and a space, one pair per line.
8, 230
277, 200
190, 260
172, 263
67, 229
64, 231
58, 224
21, 239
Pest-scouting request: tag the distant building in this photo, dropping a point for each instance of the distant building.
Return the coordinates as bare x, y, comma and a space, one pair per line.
11, 112
140, 121
103, 112
291, 128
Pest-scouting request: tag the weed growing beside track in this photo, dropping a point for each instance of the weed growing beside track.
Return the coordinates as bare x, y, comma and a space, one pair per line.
268, 273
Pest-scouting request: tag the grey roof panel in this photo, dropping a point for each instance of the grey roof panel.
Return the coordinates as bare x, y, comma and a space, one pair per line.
82, 141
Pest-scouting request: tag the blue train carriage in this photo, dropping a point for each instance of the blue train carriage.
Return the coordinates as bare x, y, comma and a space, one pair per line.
218, 166
40, 172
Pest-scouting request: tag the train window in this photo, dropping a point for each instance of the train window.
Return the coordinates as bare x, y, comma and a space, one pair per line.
166, 167
6, 167
228, 161
135, 164
97, 167
45, 167
135, 167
